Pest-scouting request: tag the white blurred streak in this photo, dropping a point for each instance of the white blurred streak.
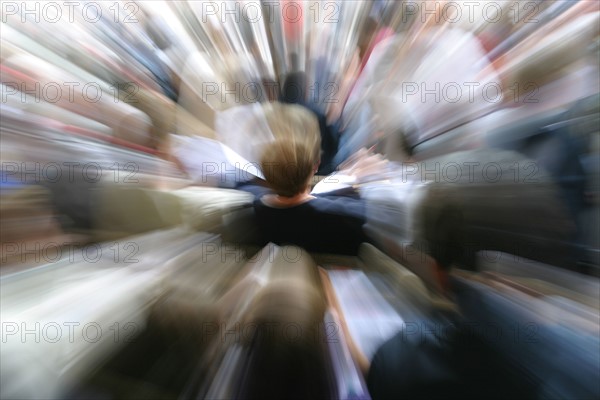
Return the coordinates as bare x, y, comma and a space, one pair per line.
249, 119
371, 320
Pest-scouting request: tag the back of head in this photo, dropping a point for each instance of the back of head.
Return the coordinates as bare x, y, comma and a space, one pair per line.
287, 353
294, 88
286, 314
290, 160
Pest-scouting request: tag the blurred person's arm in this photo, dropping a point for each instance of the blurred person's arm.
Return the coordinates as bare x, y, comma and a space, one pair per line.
361, 167
357, 355
363, 164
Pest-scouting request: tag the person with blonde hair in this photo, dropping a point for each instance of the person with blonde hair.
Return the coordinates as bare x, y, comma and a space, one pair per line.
286, 211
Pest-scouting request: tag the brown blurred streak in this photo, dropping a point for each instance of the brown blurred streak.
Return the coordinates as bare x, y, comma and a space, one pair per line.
28, 222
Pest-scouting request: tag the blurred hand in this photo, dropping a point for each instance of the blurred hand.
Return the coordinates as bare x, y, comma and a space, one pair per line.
362, 164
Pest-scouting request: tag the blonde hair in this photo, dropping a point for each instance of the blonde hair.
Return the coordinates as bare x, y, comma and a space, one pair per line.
290, 160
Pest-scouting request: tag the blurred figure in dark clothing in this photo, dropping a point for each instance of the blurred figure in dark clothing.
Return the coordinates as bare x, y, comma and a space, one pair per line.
286, 211
294, 92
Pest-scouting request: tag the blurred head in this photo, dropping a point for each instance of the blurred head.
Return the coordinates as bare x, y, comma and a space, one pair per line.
286, 313
287, 356
294, 88
290, 161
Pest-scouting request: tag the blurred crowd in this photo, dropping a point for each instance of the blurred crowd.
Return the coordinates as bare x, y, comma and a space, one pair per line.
458, 143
